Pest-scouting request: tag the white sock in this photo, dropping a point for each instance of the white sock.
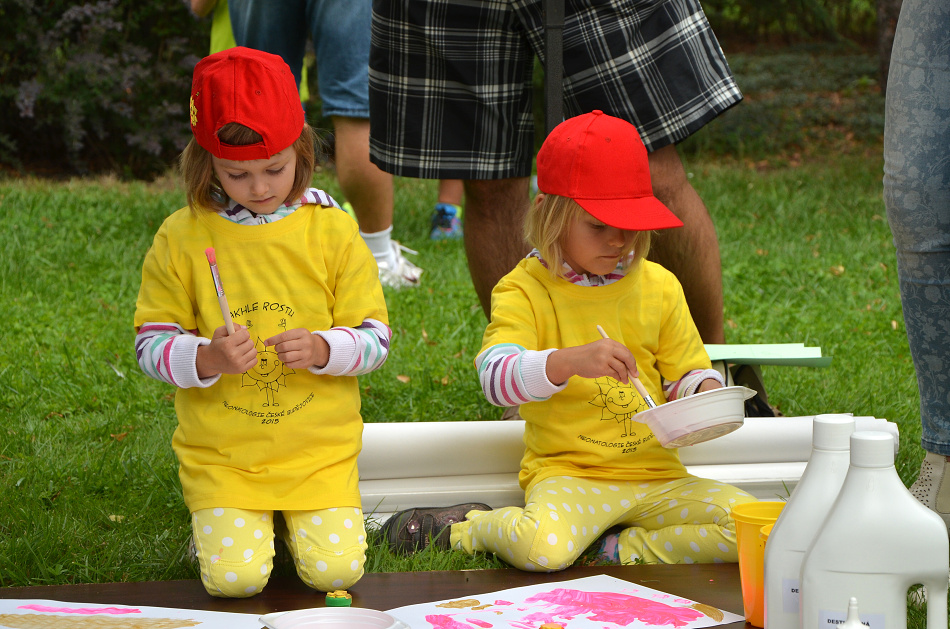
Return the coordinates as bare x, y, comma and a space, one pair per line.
379, 244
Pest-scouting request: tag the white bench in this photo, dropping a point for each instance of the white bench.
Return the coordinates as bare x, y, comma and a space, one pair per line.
437, 464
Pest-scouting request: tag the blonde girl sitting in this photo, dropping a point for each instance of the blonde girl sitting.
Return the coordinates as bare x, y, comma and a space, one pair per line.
589, 467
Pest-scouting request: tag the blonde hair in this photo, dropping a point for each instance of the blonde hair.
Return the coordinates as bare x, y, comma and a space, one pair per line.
206, 192
548, 223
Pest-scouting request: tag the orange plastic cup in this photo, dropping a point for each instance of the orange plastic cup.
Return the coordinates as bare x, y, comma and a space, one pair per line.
751, 518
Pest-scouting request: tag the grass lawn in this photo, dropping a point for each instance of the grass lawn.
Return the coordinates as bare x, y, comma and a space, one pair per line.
88, 481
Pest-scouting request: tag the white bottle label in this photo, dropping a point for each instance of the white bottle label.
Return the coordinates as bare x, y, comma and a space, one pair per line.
790, 596
829, 619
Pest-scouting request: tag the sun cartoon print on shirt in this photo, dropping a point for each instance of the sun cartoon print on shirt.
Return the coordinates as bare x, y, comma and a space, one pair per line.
619, 402
268, 374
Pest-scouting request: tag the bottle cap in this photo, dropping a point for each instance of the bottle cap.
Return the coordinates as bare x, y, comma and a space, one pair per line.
854, 619
339, 598
872, 448
832, 431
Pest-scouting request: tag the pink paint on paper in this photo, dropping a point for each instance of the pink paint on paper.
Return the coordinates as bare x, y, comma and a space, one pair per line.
484, 624
620, 609
503, 602
81, 610
445, 621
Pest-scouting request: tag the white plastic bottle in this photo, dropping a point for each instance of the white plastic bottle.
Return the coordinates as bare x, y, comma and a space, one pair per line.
876, 542
801, 518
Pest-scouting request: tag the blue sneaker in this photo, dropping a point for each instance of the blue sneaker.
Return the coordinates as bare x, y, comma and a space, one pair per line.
446, 224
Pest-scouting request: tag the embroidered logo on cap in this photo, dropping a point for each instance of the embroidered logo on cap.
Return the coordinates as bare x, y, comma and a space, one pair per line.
194, 111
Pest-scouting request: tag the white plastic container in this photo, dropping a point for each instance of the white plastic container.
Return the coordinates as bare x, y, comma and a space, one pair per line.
332, 618
699, 417
876, 542
800, 520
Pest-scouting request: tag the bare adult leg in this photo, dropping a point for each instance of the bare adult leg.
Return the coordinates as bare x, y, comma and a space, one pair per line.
691, 252
494, 215
451, 191
368, 189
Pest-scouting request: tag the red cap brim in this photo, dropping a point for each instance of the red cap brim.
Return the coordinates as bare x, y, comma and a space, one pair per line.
643, 214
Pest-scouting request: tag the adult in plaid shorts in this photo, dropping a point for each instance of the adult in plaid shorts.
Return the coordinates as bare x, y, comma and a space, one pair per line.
451, 98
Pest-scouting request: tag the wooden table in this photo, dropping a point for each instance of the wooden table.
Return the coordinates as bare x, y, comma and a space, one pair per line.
713, 584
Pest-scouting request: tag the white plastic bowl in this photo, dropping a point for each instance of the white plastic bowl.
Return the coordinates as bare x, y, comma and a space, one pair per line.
699, 417
332, 618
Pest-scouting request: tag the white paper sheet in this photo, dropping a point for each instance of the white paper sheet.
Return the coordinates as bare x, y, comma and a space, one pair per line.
44, 614
598, 602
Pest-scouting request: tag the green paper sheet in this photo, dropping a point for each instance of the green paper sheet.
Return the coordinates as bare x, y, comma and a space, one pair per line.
769, 354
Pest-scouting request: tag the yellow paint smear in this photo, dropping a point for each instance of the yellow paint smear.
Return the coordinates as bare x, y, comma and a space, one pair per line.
461, 604
46, 621
712, 612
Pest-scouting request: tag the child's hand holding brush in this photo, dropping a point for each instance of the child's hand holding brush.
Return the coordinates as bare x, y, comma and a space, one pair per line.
227, 353
601, 358
231, 349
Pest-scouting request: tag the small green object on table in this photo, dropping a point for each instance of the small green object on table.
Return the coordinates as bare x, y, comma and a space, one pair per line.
339, 598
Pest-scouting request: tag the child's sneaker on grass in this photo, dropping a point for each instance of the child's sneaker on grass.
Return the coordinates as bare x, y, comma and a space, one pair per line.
446, 222
932, 486
417, 529
395, 270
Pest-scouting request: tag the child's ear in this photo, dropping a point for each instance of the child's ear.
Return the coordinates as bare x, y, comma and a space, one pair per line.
538, 199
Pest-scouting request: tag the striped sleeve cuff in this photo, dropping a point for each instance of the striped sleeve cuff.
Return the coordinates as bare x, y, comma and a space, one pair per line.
511, 375
534, 373
182, 362
342, 349
689, 383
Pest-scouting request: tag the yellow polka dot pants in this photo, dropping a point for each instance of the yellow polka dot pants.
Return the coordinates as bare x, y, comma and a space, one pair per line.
686, 520
236, 548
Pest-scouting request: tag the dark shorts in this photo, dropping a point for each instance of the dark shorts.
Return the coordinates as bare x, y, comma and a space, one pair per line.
451, 81
339, 31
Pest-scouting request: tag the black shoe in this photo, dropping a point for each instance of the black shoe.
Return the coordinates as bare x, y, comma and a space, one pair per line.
415, 529
758, 405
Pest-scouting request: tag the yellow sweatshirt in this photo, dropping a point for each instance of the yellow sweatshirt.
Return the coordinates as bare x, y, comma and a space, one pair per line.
273, 437
588, 429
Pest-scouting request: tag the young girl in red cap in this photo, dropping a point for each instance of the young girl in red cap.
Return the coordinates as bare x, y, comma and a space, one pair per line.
268, 413
588, 467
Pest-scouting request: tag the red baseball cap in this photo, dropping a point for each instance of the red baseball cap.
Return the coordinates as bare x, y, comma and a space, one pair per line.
600, 162
250, 87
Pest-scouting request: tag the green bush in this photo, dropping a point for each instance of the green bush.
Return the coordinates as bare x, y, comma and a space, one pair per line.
786, 21
800, 101
96, 86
